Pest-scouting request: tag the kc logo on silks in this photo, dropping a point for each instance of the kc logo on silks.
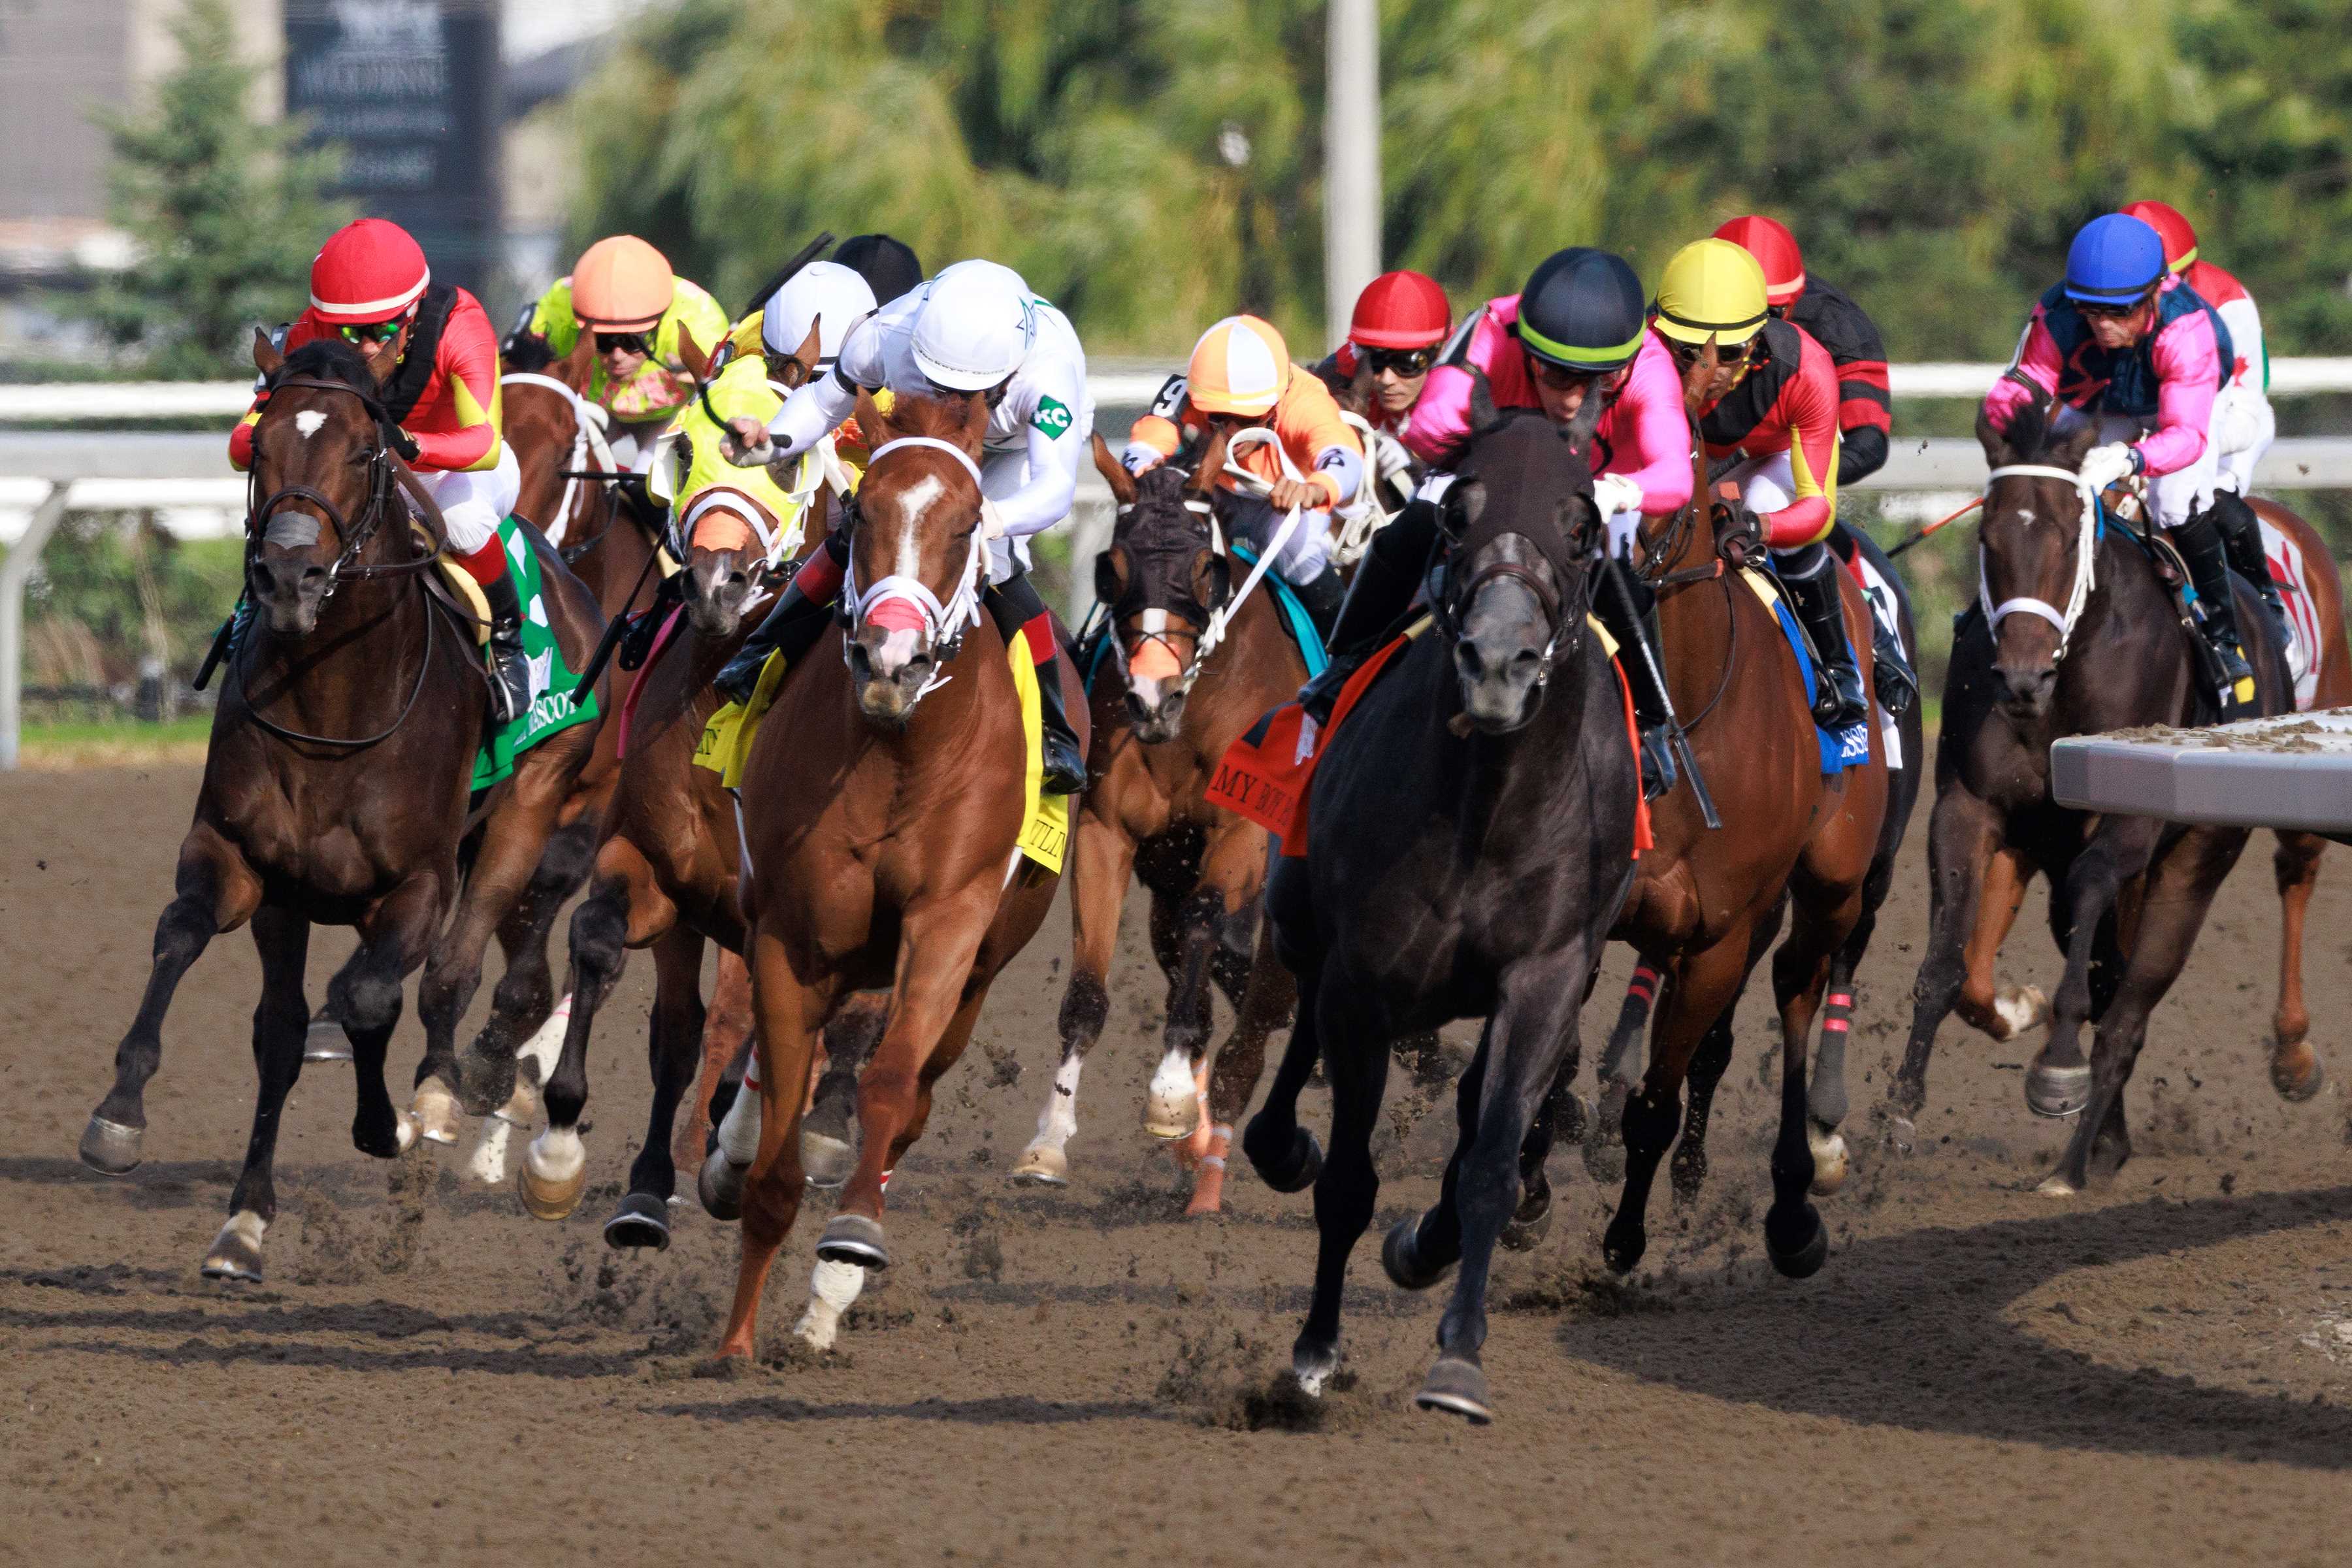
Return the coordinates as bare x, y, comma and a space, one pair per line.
1053, 417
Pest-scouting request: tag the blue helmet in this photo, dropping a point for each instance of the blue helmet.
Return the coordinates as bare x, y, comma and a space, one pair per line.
2115, 260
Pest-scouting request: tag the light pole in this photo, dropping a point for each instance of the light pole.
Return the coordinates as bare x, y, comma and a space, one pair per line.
1351, 158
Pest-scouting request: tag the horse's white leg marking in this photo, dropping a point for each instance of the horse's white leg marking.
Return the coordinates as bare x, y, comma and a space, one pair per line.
832, 1288
1172, 1109
556, 1155
488, 1165
738, 1129
1044, 1160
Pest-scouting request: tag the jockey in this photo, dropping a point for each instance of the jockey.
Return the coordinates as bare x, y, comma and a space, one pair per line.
2122, 342
622, 291
1866, 412
1771, 406
824, 295
2243, 424
1576, 330
370, 287
1241, 377
1401, 319
975, 331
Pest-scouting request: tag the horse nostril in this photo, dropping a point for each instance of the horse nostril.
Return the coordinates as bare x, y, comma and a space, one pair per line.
1466, 654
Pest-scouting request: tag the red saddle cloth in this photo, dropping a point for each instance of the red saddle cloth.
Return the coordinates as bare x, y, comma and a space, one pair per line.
1267, 776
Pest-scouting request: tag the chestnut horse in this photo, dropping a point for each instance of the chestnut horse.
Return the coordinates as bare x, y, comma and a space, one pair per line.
1161, 725
882, 815
2129, 894
336, 785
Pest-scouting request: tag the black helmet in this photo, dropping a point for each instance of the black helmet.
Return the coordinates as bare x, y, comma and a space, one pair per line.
1583, 310
887, 265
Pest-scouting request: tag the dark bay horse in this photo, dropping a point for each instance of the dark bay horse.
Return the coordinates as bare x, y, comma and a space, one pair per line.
335, 787
1473, 828
1162, 721
882, 813
2129, 894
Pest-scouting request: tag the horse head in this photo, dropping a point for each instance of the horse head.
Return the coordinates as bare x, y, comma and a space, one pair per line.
1164, 575
728, 531
917, 560
321, 476
2031, 543
1521, 513
541, 427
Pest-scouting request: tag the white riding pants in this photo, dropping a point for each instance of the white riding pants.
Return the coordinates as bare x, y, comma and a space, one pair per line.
2243, 428
474, 504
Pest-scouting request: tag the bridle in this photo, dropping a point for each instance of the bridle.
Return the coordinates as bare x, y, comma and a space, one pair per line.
2086, 550
588, 443
945, 622
1155, 629
1447, 601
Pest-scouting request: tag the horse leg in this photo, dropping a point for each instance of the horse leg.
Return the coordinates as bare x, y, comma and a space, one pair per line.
726, 1028
675, 1049
1688, 1169
523, 1000
1998, 1011
2058, 1083
214, 891
1102, 859
279, 1021
1604, 1146
2172, 913
1561, 1115
1962, 833
555, 1167
365, 994
503, 867
2295, 1069
1355, 1066
1174, 1106
828, 1155
1700, 986
788, 1010
1825, 916
1267, 1001
1284, 1154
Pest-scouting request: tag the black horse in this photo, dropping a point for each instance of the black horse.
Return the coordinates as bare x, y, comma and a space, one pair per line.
1472, 843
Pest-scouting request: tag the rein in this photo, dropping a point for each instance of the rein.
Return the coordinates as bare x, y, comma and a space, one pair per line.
588, 443
1221, 619
2086, 557
945, 621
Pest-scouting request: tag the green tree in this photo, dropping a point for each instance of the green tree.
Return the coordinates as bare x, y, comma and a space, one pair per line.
224, 212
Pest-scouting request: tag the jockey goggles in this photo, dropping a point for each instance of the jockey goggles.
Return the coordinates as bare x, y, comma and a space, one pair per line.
2092, 311
1400, 361
372, 333
1726, 355
620, 343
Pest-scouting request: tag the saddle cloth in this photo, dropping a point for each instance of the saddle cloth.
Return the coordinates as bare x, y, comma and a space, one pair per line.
1840, 749
2292, 573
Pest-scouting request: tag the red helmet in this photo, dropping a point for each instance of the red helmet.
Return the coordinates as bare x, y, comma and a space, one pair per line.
369, 270
1771, 243
1400, 310
2180, 239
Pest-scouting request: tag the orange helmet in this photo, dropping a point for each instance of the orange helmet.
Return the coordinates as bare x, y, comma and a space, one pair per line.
1240, 365
621, 285
2180, 239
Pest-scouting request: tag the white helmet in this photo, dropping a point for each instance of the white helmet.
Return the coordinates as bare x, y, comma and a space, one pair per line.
974, 326
824, 292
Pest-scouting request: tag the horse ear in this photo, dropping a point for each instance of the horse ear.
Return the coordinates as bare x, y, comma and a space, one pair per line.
1114, 472
1211, 463
1212, 577
384, 360
1586, 420
871, 421
266, 357
1359, 389
1997, 452
976, 413
1699, 374
576, 370
811, 346
2068, 451
1465, 498
692, 354
1483, 411
1111, 575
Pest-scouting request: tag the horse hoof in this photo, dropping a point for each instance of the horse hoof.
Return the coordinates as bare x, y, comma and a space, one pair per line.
641, 1220
1829, 1159
1312, 1365
1302, 1163
853, 1238
1208, 1192
1042, 1166
1402, 1261
379, 1136
721, 1186
111, 1147
523, 1108
2056, 1091
826, 1161
236, 1251
2018, 1008
2295, 1085
553, 1174
1804, 1260
1525, 1231
1457, 1386
326, 1042
1622, 1250
439, 1118
1171, 1110
2057, 1185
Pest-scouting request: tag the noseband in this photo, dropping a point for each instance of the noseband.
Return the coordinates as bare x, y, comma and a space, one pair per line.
944, 621
2086, 550
382, 474
1447, 606
1155, 621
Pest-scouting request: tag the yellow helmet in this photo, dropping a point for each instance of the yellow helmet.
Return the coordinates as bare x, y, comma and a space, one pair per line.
621, 285
1240, 365
1711, 289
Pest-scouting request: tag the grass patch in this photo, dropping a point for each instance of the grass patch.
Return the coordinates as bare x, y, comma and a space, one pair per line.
117, 742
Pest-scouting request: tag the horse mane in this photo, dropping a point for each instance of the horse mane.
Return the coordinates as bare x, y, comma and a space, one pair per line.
330, 359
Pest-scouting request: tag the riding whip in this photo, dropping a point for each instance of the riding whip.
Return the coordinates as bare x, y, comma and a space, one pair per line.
1677, 740
1930, 527
806, 254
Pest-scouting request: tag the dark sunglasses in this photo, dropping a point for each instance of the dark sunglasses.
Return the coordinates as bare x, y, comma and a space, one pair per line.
1400, 361
1725, 355
2106, 313
1560, 377
620, 342
373, 331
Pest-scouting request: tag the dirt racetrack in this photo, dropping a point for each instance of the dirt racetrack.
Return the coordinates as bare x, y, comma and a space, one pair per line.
2160, 1373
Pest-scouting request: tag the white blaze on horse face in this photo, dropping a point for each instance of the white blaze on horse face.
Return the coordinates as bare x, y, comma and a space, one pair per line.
308, 421
916, 499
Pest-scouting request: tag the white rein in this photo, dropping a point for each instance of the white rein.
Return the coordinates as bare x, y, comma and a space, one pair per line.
2086, 557
1221, 619
587, 440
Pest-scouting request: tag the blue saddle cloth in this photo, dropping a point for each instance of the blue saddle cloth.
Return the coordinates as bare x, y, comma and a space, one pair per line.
1295, 620
1840, 749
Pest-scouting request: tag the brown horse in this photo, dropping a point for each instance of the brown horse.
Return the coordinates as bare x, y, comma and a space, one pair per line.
882, 813
336, 785
2129, 894
1706, 902
1161, 727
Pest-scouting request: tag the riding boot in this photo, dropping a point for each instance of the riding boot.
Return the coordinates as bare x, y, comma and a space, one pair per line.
1892, 677
1811, 577
2242, 539
510, 667
2199, 539
1627, 614
1015, 607
1386, 580
794, 624
1320, 597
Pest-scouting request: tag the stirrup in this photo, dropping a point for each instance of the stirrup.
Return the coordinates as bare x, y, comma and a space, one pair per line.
1659, 773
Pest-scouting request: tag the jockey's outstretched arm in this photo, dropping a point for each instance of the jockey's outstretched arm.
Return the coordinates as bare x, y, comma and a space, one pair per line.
1054, 450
